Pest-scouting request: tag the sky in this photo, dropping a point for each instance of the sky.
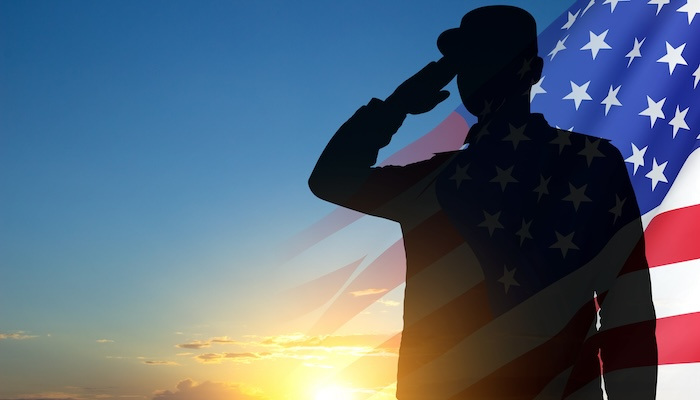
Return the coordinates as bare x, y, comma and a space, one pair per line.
153, 163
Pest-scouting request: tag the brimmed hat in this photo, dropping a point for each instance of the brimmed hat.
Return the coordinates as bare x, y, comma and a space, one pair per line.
491, 36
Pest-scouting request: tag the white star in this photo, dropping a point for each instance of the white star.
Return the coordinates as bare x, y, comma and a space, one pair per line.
559, 47
564, 243
460, 175
617, 210
578, 93
562, 139
659, 4
590, 151
637, 157
596, 43
491, 222
678, 121
508, 278
590, 4
542, 188
537, 88
571, 19
673, 57
636, 51
516, 135
504, 177
696, 74
657, 174
653, 110
611, 100
691, 7
524, 231
613, 4
577, 196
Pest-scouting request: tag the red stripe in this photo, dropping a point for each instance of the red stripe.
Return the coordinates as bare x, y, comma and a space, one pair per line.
679, 339
673, 236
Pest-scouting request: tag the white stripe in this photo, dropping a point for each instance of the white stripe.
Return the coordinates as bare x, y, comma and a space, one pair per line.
675, 288
678, 382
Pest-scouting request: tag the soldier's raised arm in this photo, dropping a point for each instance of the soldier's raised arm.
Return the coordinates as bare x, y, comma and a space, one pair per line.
346, 164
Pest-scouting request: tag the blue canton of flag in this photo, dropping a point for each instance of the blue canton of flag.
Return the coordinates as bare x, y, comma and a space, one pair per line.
628, 71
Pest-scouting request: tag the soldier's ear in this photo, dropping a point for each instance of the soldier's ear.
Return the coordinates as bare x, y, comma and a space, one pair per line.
536, 66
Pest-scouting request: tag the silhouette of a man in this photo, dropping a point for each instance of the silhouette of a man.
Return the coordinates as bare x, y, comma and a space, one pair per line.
513, 243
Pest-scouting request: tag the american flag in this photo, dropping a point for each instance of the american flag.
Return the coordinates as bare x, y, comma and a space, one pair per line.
623, 70
629, 71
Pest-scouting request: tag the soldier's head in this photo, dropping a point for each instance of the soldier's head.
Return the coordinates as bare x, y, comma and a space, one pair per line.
494, 51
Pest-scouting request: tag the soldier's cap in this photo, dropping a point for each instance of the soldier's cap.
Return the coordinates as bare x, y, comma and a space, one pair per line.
491, 36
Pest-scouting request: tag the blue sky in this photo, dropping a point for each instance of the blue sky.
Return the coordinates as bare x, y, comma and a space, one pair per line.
153, 156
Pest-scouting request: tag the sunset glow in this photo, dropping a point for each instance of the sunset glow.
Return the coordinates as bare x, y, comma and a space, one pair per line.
155, 165
333, 393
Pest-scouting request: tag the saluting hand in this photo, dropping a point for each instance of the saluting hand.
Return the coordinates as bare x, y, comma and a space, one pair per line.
423, 91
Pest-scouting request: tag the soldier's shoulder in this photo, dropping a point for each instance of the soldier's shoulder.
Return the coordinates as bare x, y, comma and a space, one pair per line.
584, 140
581, 136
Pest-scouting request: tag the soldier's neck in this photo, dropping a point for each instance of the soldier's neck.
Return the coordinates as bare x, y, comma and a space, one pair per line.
514, 113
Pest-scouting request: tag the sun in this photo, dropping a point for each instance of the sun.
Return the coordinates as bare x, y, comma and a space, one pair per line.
333, 393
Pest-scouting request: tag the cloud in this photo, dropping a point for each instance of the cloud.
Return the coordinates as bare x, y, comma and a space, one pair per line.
310, 348
47, 396
190, 390
203, 344
224, 340
368, 292
325, 341
197, 344
157, 362
294, 340
43, 398
389, 303
104, 341
296, 346
19, 335
215, 358
209, 358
